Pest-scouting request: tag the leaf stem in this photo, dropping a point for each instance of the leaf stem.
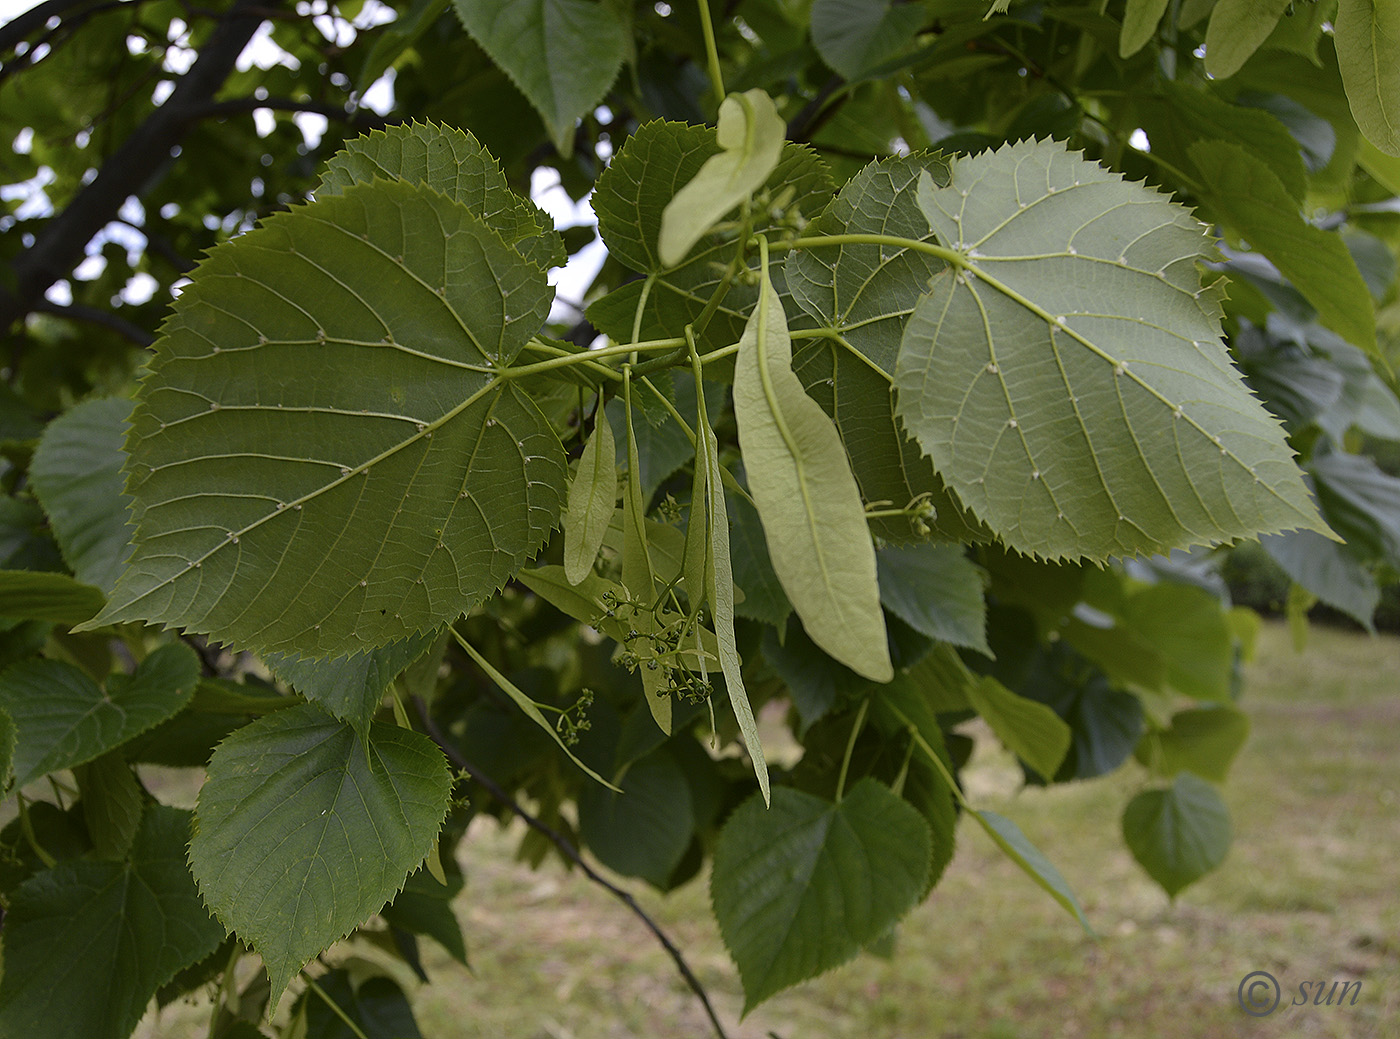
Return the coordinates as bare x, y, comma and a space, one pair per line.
711, 51
850, 749
27, 828
335, 1007
589, 355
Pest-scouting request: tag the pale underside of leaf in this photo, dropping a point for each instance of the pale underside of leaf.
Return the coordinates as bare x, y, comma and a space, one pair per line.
1070, 383
592, 495
807, 498
337, 469
751, 135
1368, 53
1235, 31
1140, 20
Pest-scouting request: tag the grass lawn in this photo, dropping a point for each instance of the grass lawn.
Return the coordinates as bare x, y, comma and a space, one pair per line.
1308, 893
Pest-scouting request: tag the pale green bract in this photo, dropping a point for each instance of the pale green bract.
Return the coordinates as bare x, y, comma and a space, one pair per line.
1235, 31
592, 495
1066, 373
751, 135
323, 456
813, 517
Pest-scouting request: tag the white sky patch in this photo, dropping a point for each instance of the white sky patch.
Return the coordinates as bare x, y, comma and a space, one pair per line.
1138, 139
571, 281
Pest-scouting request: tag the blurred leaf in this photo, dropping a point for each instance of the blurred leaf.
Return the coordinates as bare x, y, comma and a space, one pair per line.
1178, 834
1203, 740
1368, 39
34, 595
1030, 730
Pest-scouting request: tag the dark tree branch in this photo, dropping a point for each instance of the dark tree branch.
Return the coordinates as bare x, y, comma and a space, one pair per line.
815, 113
359, 118
21, 26
571, 853
95, 316
128, 170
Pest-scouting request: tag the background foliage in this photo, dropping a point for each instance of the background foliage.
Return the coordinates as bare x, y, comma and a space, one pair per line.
951, 197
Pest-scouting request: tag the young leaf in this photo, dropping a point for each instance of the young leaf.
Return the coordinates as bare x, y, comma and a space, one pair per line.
1178, 834
1009, 838
853, 36
1030, 730
453, 162
592, 496
1203, 740
64, 719
1246, 195
1235, 31
379, 499
1140, 20
801, 887
1368, 42
1071, 432
76, 475
349, 687
303, 829
751, 134
801, 481
137, 922
563, 55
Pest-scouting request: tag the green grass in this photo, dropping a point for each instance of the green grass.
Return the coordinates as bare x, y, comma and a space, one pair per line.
1308, 893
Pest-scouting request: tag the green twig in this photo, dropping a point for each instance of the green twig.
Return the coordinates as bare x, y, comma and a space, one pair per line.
335, 1007
850, 749
711, 51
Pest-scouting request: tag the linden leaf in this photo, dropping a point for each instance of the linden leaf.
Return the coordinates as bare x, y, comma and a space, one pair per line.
1066, 373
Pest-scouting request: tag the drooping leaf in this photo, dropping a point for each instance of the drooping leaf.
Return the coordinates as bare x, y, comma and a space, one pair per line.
64, 719
1203, 740
76, 474
937, 591
1030, 730
1009, 838
1140, 19
113, 803
349, 687
811, 509
1070, 432
1247, 195
424, 906
375, 1005
1187, 628
854, 36
750, 133
801, 887
1235, 31
38, 595
454, 163
1368, 40
88, 943
592, 497
764, 598
815, 682
563, 55
644, 830
719, 590
1178, 834
1105, 723
303, 830
1327, 570
383, 497
1362, 502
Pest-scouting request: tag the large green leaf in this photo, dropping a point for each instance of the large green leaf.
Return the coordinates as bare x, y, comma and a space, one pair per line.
304, 829
1070, 431
1203, 740
349, 687
381, 498
853, 36
1235, 31
1178, 834
76, 474
87, 943
64, 719
1368, 43
644, 830
1245, 193
811, 509
563, 55
801, 887
453, 162
750, 133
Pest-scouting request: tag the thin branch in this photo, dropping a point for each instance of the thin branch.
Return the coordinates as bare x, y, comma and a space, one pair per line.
95, 316
571, 853
129, 170
815, 113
